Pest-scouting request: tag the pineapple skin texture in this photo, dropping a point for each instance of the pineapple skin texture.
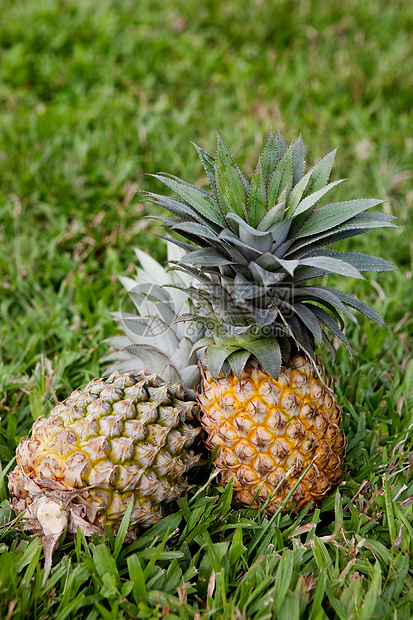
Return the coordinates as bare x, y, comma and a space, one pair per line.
270, 431
126, 437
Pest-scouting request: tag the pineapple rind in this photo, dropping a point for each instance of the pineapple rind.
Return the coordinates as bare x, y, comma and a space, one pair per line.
270, 432
123, 438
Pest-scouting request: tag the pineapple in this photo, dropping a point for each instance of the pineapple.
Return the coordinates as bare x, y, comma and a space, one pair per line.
254, 248
119, 439
126, 438
274, 436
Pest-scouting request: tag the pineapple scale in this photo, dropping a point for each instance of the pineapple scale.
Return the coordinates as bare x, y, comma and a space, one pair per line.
270, 432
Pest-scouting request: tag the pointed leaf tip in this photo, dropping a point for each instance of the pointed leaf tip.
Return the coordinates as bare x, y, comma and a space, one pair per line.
257, 199
230, 182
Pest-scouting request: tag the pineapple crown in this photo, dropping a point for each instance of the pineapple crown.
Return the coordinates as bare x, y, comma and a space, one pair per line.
151, 339
253, 247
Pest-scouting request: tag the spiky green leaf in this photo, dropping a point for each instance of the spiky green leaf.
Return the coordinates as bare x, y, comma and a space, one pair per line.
280, 145
271, 155
310, 320
319, 295
274, 215
181, 244
298, 159
257, 199
329, 346
355, 303
216, 356
325, 296
295, 195
260, 240
332, 265
333, 215
303, 274
268, 353
237, 361
330, 323
208, 163
311, 199
362, 262
196, 197
289, 266
196, 230
206, 257
248, 251
280, 179
355, 226
230, 188
176, 206
320, 173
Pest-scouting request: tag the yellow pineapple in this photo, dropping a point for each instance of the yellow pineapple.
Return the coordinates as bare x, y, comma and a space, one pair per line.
254, 246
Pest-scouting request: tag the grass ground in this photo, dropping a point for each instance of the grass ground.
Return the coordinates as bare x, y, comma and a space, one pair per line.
94, 95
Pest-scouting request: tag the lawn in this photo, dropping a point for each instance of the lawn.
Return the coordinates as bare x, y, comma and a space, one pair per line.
95, 95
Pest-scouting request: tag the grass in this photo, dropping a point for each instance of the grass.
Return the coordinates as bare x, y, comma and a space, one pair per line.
93, 96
